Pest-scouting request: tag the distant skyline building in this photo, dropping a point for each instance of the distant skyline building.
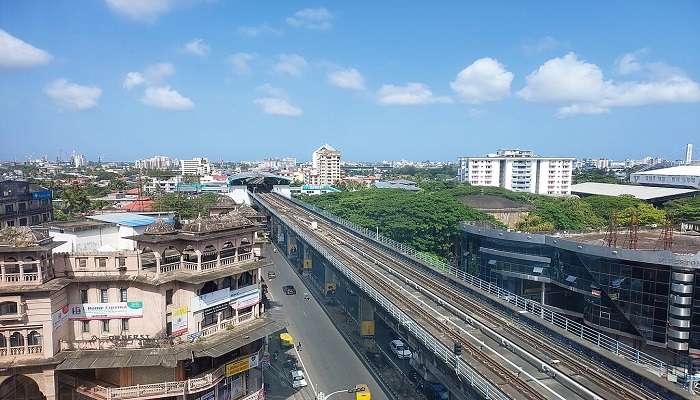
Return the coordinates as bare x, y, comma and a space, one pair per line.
197, 166
518, 170
325, 166
77, 159
156, 162
689, 153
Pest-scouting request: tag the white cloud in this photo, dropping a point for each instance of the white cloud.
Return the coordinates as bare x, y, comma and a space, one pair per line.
564, 79
575, 109
154, 74
71, 96
347, 79
570, 80
292, 64
166, 98
484, 80
275, 102
410, 94
16, 53
311, 18
271, 91
542, 44
140, 10
196, 47
255, 31
240, 62
133, 79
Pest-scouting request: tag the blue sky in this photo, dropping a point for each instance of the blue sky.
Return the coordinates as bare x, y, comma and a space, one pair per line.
236, 80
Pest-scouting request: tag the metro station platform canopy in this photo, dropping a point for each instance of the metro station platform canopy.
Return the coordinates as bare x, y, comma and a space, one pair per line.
261, 182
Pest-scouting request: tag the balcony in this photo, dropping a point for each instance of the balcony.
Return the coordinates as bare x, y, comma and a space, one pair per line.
25, 272
103, 391
190, 266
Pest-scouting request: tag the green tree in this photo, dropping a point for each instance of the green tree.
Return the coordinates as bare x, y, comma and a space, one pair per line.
605, 206
117, 185
646, 215
75, 200
595, 175
534, 223
684, 210
186, 207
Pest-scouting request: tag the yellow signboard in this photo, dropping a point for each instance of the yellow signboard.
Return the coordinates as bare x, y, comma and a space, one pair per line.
237, 367
307, 263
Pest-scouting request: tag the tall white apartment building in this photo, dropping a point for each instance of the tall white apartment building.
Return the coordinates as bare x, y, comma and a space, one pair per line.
196, 166
689, 153
325, 165
156, 162
77, 159
520, 171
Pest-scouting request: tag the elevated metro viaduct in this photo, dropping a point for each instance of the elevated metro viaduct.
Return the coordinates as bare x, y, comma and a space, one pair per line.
311, 259
335, 285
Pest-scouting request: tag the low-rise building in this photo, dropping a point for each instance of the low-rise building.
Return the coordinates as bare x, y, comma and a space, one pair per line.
686, 176
179, 315
24, 204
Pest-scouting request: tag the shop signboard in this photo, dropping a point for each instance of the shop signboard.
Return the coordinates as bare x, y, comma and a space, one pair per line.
60, 316
244, 364
212, 299
179, 321
245, 297
128, 309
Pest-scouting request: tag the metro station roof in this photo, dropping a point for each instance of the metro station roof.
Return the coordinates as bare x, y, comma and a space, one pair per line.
648, 193
127, 219
255, 177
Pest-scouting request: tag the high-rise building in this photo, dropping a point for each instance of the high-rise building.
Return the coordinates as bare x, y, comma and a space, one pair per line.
77, 159
520, 171
689, 153
156, 162
180, 314
325, 164
196, 166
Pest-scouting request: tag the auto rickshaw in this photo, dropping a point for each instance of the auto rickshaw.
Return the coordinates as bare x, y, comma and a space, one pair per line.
286, 339
362, 392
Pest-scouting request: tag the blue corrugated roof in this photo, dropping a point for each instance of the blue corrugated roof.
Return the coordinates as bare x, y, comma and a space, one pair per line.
128, 219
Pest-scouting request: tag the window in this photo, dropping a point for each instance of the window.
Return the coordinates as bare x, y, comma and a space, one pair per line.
10, 223
168, 324
121, 262
83, 296
105, 325
125, 325
168, 297
22, 206
82, 263
103, 295
122, 295
22, 222
9, 208
8, 308
85, 326
102, 262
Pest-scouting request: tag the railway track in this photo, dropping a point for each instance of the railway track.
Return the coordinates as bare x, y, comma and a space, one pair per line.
345, 243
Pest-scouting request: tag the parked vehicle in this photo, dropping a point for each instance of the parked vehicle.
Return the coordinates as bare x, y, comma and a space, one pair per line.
271, 274
399, 349
298, 380
286, 339
289, 290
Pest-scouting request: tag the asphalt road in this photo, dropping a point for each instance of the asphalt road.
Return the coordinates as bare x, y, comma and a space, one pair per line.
329, 361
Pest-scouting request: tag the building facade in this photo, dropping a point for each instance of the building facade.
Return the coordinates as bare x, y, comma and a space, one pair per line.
647, 298
520, 171
24, 204
156, 162
325, 164
180, 316
686, 176
197, 166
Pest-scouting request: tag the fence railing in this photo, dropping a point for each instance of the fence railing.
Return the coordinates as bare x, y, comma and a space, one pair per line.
477, 382
535, 308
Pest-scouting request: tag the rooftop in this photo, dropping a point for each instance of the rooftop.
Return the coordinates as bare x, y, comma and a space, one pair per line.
77, 225
683, 170
646, 240
126, 219
639, 192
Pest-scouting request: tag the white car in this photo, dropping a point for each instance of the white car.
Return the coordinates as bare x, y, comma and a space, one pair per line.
298, 380
399, 349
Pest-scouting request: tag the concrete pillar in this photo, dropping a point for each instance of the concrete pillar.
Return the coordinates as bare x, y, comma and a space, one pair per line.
330, 282
199, 260
157, 256
308, 260
365, 311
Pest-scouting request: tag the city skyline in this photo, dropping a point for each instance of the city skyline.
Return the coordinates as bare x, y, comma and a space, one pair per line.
133, 82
